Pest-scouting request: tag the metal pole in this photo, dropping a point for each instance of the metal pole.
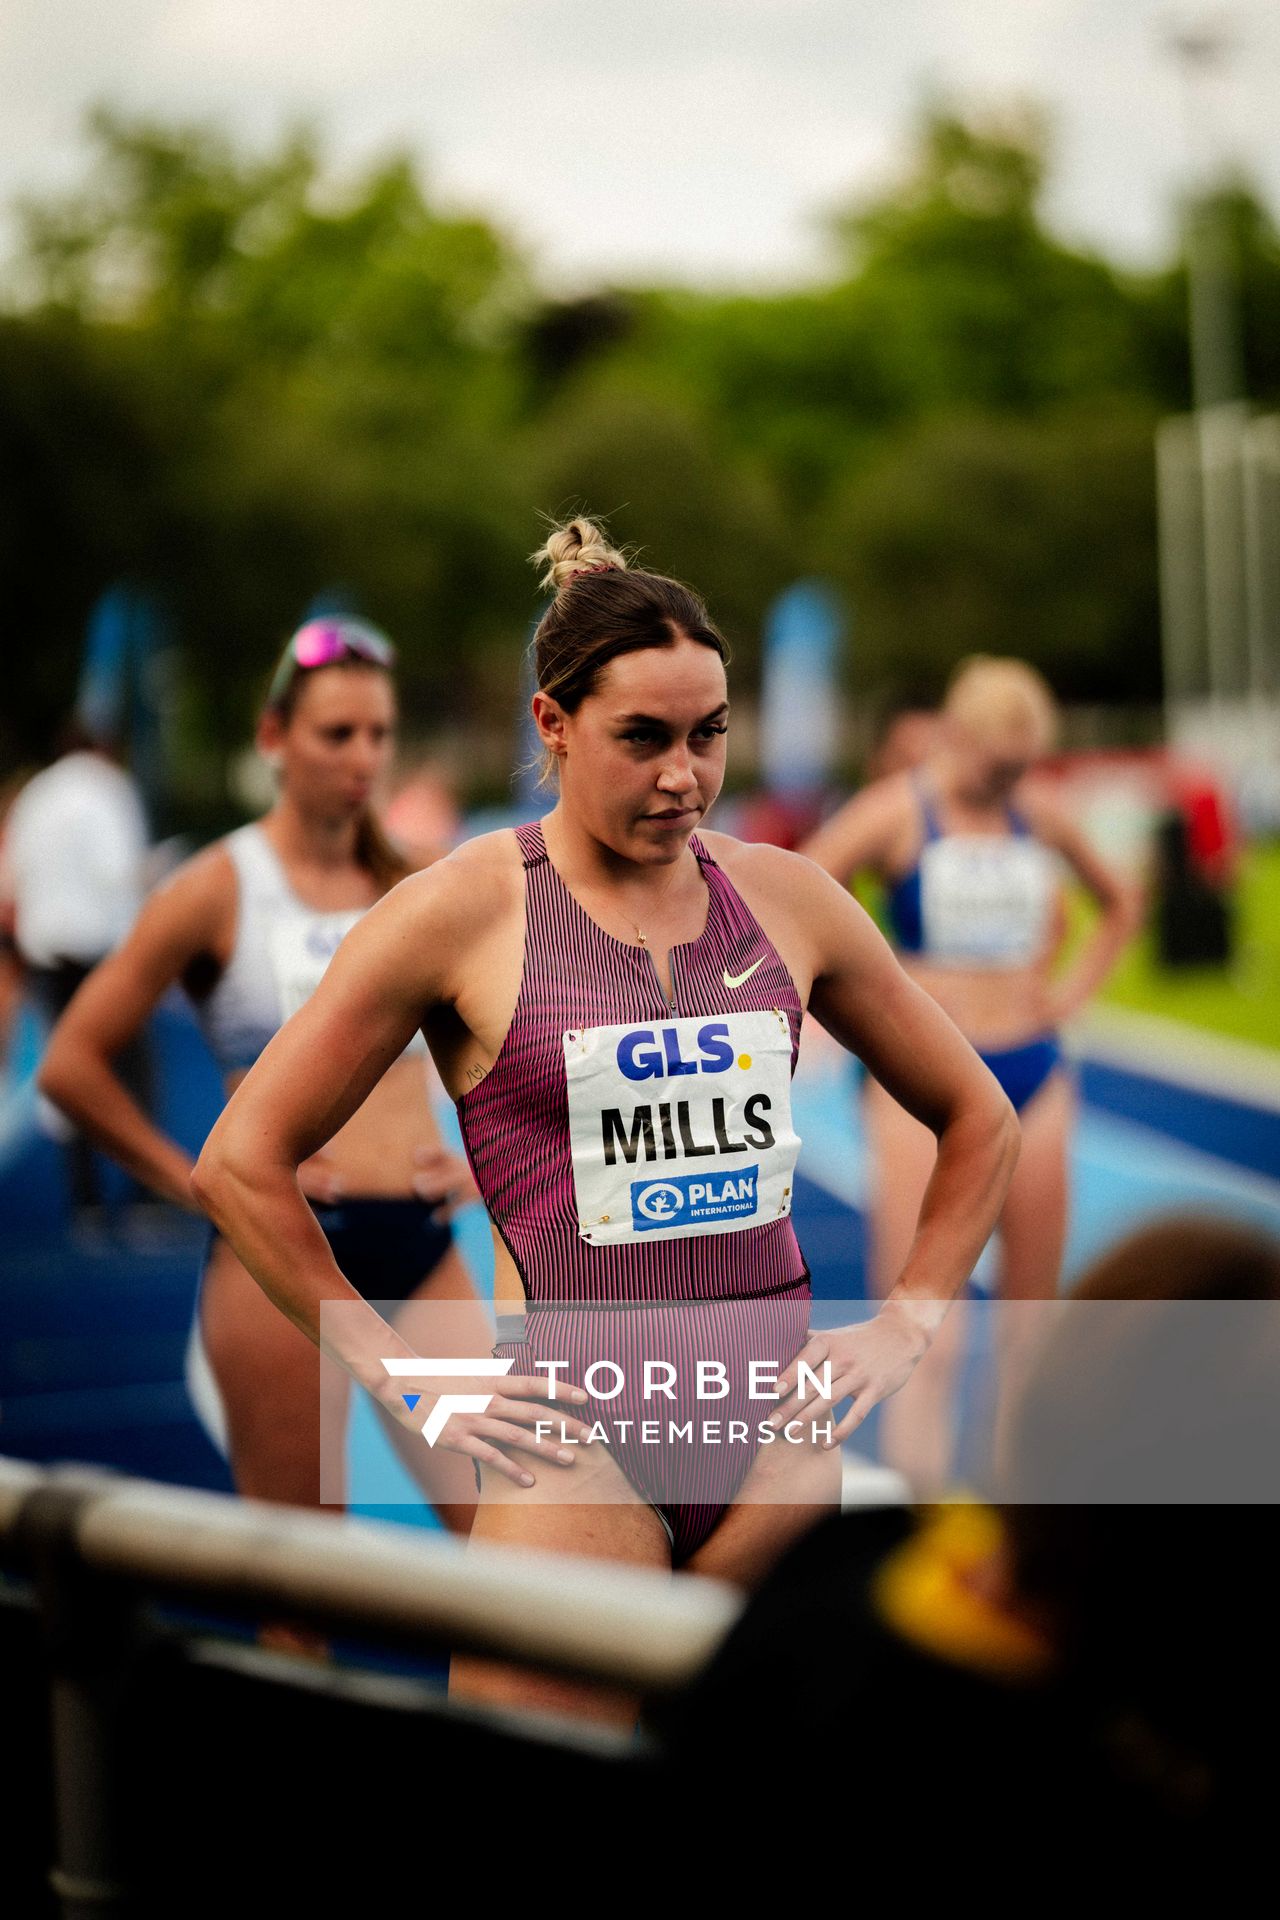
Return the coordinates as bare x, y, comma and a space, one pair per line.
1262, 556
1180, 509
91, 1631
1217, 365
625, 1625
1221, 431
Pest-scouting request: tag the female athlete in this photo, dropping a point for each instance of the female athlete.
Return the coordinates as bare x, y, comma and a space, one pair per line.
614, 1001
971, 851
248, 926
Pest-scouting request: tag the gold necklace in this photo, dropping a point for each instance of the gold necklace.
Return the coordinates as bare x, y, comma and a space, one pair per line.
640, 933
641, 936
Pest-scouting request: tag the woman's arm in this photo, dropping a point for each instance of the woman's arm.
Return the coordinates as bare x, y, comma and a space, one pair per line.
314, 1073
863, 997
859, 834
175, 927
1121, 905
402, 958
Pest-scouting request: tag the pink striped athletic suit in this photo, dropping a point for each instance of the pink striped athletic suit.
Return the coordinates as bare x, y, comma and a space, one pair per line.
747, 1284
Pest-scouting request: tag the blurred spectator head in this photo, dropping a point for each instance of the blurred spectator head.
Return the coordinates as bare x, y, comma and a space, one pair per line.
1161, 1373
1186, 1257
908, 739
333, 640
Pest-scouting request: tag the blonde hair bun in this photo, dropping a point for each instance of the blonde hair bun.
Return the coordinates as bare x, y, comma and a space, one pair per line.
577, 547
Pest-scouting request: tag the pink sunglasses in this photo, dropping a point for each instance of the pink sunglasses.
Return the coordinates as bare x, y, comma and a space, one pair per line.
320, 642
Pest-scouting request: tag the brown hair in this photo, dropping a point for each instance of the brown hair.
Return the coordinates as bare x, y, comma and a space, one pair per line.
603, 608
375, 850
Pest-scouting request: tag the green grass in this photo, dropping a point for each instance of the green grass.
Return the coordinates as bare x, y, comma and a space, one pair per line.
1241, 1000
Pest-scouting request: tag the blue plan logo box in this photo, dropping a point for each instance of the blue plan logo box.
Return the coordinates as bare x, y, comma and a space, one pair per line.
687, 1200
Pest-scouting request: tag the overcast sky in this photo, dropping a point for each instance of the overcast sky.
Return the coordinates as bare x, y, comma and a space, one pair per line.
699, 140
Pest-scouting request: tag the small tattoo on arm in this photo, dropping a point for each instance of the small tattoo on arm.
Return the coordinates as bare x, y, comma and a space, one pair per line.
476, 1073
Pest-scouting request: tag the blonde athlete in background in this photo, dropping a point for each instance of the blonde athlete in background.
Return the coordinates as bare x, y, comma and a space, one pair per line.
972, 851
564, 974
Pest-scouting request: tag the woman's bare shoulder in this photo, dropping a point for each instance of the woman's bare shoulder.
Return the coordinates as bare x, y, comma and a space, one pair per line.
477, 883
760, 866
805, 912
200, 892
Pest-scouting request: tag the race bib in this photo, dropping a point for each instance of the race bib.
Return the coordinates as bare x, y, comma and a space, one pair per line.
681, 1126
985, 900
300, 950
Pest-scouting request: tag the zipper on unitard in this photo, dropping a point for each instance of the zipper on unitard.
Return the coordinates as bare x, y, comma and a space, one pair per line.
658, 977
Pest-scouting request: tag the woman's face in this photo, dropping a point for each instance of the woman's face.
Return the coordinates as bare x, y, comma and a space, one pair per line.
990, 762
338, 740
642, 759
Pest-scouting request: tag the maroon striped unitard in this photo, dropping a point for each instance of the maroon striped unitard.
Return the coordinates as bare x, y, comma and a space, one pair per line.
741, 1293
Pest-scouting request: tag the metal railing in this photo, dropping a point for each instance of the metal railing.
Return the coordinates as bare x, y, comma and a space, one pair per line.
96, 1546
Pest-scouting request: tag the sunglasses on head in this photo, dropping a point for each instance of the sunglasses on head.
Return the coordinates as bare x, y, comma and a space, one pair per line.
321, 642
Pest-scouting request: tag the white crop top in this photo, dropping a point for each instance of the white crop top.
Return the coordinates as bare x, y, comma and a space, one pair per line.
986, 900
975, 900
282, 948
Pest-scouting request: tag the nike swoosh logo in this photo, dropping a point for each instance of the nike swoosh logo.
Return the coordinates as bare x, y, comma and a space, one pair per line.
737, 980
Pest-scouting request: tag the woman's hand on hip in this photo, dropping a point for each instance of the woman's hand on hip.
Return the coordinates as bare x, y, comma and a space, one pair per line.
870, 1360
319, 1179
515, 1405
444, 1178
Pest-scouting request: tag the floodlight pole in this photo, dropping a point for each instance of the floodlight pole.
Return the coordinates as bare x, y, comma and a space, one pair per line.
1217, 369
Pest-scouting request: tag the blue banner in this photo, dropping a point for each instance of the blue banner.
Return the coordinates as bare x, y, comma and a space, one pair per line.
800, 690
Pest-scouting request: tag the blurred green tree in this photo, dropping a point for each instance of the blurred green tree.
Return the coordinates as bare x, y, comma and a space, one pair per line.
244, 380
981, 534
319, 378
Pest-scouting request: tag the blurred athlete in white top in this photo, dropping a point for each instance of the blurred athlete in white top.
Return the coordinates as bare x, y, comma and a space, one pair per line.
973, 852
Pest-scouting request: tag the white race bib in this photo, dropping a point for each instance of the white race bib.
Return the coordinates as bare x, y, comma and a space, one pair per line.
681, 1126
985, 899
300, 950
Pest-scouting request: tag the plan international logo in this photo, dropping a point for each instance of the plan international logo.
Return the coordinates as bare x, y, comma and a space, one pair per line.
690, 1199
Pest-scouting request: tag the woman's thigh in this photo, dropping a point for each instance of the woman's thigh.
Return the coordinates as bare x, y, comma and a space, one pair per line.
1033, 1238
590, 1508
277, 1392
552, 1517
1033, 1224
443, 1318
789, 1488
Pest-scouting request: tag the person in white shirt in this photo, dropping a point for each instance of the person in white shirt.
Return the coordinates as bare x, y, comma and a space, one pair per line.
74, 855
75, 847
